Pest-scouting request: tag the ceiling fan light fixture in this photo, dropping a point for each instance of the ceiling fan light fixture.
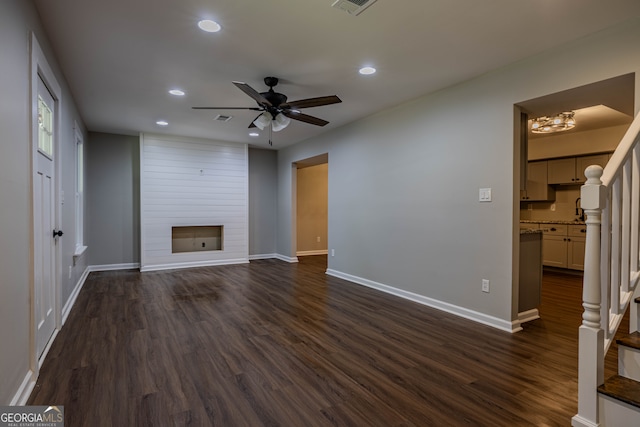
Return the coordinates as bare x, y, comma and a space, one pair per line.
263, 120
557, 123
176, 92
281, 121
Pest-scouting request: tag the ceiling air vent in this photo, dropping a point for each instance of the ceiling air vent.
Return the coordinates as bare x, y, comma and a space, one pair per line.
353, 7
222, 118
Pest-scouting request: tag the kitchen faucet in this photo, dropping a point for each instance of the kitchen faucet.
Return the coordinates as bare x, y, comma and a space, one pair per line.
579, 210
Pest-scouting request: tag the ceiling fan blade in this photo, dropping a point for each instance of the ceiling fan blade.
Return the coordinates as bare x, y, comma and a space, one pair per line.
312, 102
252, 93
296, 115
227, 108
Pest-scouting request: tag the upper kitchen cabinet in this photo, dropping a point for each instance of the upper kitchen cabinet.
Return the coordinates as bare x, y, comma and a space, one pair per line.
570, 170
584, 162
537, 187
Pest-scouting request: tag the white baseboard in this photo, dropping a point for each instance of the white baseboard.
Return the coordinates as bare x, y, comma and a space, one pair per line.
178, 265
262, 256
430, 302
529, 315
287, 258
24, 391
72, 298
273, 256
318, 252
578, 421
110, 267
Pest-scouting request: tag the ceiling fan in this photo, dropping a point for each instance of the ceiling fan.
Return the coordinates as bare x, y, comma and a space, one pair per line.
276, 112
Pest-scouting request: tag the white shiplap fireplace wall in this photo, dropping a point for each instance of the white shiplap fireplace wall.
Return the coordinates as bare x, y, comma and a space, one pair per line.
192, 182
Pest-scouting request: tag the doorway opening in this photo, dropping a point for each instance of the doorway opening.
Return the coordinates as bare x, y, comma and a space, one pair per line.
311, 207
551, 171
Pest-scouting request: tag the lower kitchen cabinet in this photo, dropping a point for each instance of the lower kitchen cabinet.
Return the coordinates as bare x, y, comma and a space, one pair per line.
563, 246
576, 239
554, 251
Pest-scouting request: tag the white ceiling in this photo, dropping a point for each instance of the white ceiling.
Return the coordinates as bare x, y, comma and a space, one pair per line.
120, 57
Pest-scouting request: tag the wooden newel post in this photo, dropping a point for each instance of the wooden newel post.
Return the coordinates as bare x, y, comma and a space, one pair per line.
591, 334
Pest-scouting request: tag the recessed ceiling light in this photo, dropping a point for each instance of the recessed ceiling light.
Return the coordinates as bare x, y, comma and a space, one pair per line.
209, 26
254, 134
162, 123
176, 92
367, 70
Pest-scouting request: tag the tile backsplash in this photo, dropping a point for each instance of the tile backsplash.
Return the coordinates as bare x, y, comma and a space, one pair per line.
564, 205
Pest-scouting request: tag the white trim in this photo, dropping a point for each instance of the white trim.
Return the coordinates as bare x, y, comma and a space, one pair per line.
318, 252
46, 349
503, 325
192, 264
246, 200
578, 421
287, 258
79, 192
79, 251
529, 315
274, 256
262, 256
111, 267
141, 180
74, 295
24, 391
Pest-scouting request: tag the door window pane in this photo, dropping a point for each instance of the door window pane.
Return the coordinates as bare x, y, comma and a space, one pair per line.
45, 127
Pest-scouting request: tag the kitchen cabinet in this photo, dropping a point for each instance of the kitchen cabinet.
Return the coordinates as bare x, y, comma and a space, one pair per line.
585, 161
570, 170
537, 188
563, 245
576, 239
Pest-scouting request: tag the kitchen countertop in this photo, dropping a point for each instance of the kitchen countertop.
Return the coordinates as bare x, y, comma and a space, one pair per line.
555, 221
531, 231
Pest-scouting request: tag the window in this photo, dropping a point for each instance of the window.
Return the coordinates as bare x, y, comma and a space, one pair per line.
80, 247
45, 125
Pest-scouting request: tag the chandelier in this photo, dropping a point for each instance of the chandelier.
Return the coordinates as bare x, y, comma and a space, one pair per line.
550, 124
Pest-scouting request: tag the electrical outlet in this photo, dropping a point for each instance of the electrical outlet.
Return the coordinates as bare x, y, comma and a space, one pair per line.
485, 285
318, 239
333, 252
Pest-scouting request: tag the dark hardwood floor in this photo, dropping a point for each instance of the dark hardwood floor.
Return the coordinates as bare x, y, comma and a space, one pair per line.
277, 344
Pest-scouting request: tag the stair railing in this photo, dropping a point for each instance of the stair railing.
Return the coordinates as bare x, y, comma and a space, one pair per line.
611, 201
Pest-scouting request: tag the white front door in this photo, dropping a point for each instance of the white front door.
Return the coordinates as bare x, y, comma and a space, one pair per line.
44, 220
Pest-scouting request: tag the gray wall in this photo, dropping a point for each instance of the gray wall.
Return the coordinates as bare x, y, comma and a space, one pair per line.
17, 19
113, 202
263, 178
403, 184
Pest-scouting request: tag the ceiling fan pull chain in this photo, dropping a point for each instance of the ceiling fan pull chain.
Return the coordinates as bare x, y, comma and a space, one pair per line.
270, 134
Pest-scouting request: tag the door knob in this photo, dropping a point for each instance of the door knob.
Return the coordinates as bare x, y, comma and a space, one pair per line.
57, 233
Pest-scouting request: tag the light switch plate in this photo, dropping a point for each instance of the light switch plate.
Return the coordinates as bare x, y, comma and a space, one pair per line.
485, 195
